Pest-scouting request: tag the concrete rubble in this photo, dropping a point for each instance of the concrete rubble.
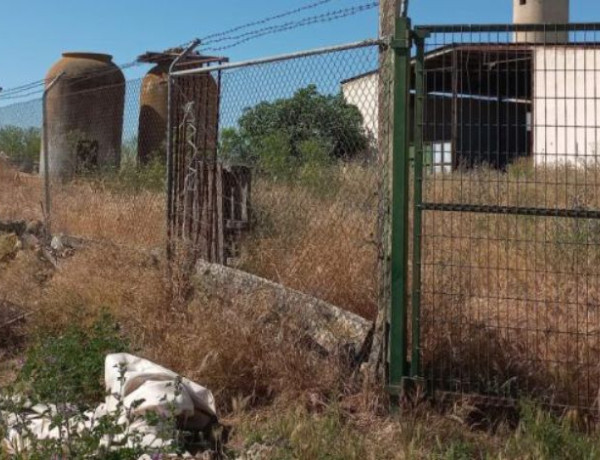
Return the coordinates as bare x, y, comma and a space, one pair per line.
332, 328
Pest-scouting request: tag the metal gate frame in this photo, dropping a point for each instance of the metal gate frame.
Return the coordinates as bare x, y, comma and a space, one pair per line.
405, 367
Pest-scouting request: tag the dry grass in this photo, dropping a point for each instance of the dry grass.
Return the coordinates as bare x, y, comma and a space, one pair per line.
237, 355
320, 243
511, 304
20, 195
131, 219
87, 209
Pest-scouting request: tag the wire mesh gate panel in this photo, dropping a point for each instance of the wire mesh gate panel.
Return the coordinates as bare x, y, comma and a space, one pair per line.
305, 128
507, 211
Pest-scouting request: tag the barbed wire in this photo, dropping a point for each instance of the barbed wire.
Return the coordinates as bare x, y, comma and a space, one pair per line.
23, 87
210, 38
276, 27
311, 20
22, 95
24, 91
10, 92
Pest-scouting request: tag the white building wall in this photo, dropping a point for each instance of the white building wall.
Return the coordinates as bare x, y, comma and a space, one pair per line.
363, 92
566, 108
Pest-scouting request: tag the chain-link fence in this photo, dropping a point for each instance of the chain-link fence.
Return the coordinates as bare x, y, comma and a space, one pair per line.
106, 148
275, 170
273, 166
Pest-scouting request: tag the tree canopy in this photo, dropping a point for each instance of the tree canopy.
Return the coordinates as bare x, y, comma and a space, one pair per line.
306, 119
21, 145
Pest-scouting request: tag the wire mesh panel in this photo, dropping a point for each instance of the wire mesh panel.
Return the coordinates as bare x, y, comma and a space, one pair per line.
510, 211
299, 136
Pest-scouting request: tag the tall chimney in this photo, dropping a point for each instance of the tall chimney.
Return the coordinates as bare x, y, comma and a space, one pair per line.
541, 12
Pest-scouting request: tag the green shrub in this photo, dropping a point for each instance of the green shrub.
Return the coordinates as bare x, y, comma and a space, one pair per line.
275, 159
306, 115
134, 177
70, 367
21, 145
317, 169
298, 139
312, 166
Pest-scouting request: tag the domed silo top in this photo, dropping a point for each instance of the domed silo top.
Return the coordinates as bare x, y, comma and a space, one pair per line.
97, 68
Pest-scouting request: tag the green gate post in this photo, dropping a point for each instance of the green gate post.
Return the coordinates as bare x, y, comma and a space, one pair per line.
398, 365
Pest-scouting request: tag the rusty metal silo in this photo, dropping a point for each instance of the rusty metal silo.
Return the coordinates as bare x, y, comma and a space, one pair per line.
84, 115
153, 113
201, 90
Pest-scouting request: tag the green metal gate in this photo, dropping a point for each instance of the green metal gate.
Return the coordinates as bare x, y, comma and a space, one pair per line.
504, 260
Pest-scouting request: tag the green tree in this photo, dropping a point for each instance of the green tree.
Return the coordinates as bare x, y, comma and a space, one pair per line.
307, 116
21, 145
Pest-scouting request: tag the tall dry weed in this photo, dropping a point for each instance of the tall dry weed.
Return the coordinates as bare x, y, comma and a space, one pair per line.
323, 244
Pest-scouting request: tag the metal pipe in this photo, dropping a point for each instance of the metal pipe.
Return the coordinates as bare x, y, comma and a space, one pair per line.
193, 45
281, 57
47, 196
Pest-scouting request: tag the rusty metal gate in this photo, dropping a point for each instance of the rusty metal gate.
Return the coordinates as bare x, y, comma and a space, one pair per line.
506, 215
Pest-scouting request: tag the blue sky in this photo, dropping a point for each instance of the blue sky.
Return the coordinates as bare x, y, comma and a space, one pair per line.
33, 33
